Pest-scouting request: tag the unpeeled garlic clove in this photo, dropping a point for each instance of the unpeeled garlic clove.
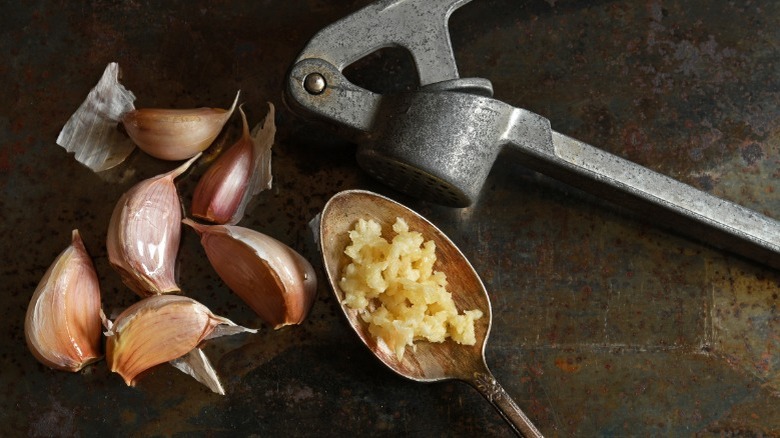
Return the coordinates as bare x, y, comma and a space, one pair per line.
175, 134
241, 172
144, 234
160, 329
272, 278
62, 325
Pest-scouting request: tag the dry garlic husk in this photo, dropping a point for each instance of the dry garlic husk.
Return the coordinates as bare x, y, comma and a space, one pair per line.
160, 329
240, 173
175, 134
272, 278
144, 234
197, 364
91, 132
62, 326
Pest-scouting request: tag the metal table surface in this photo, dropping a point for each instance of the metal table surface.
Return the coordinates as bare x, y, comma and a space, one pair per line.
604, 324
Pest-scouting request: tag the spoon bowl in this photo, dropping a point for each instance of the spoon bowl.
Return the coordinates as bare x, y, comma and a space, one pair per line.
429, 361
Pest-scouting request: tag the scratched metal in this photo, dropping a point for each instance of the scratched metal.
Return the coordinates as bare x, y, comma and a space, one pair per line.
604, 324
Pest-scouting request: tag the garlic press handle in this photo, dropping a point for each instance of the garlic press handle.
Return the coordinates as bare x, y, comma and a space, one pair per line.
316, 87
663, 200
659, 198
420, 26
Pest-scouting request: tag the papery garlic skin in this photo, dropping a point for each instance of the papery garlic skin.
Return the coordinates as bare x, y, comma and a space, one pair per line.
199, 367
62, 325
159, 329
273, 279
263, 135
241, 172
175, 134
91, 132
144, 234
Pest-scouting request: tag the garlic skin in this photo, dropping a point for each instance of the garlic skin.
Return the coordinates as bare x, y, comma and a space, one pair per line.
237, 175
197, 365
144, 234
90, 133
62, 325
160, 329
175, 134
273, 279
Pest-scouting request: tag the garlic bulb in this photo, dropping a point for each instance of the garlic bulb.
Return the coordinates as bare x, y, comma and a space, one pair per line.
175, 134
274, 280
144, 233
159, 329
241, 172
62, 326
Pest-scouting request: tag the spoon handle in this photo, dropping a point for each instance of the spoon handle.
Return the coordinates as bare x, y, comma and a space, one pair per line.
488, 386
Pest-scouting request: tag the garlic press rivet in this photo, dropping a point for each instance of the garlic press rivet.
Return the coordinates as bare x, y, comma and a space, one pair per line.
314, 83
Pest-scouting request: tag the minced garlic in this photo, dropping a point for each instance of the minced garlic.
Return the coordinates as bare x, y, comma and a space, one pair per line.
398, 293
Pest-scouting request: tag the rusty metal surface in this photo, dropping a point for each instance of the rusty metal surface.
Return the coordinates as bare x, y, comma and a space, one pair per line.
604, 324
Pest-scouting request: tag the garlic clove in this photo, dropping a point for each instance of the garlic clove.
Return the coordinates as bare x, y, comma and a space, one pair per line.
175, 134
273, 279
240, 173
62, 325
225, 184
144, 234
159, 329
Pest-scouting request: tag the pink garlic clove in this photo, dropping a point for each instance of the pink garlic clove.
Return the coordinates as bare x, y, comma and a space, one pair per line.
273, 279
144, 234
241, 172
62, 326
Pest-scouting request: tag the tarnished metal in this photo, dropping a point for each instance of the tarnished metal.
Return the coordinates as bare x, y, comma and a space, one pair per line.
417, 25
440, 143
314, 83
427, 361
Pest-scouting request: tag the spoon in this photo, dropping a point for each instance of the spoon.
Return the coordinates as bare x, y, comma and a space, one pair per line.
429, 362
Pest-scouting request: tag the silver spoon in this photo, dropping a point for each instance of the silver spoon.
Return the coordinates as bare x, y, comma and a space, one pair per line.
430, 362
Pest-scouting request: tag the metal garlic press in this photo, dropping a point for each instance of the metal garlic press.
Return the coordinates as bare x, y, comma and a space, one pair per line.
440, 141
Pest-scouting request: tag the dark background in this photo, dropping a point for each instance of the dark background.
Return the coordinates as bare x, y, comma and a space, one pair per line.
604, 324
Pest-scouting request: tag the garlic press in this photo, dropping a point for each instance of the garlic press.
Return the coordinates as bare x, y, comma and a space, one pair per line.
440, 141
